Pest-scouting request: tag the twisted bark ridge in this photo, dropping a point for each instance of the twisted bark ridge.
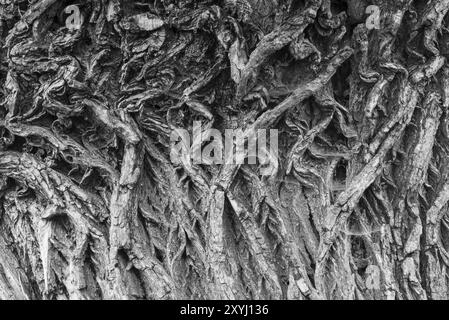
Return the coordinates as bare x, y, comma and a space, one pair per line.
92, 207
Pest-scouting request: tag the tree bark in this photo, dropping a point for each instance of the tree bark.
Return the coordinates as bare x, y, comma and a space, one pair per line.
93, 207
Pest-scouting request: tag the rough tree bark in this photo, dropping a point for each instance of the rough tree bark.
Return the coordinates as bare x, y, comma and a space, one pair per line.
91, 207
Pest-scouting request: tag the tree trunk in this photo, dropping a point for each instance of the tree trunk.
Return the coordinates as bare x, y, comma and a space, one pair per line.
92, 205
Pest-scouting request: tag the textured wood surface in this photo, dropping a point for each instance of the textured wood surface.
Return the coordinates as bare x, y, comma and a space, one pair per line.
92, 207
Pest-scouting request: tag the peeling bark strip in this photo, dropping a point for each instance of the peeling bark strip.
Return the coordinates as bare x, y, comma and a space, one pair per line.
93, 207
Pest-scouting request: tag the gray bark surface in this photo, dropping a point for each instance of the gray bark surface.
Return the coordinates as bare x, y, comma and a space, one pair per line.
92, 207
